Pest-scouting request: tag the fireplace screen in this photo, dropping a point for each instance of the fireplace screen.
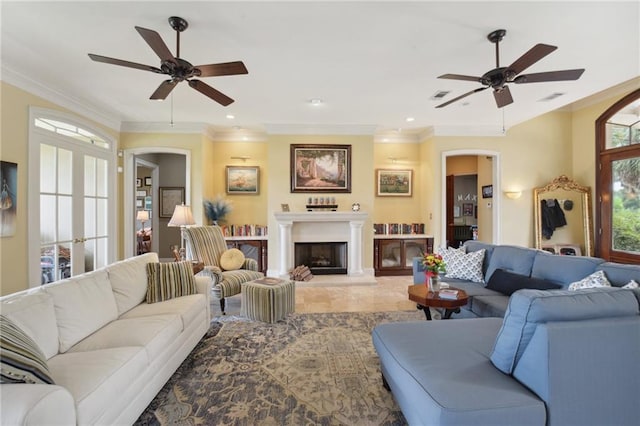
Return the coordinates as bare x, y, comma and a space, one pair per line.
322, 258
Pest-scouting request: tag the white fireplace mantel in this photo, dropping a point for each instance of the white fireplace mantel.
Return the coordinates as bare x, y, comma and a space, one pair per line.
321, 227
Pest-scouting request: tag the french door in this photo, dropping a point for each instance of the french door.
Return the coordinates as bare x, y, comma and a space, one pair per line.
71, 232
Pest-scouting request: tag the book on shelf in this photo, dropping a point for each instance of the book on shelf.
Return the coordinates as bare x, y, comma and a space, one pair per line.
398, 228
244, 230
448, 293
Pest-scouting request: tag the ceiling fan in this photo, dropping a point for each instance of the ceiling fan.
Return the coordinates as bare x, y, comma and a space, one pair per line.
177, 68
498, 77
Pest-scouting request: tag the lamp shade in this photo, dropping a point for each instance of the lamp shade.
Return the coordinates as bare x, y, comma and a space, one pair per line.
181, 216
142, 216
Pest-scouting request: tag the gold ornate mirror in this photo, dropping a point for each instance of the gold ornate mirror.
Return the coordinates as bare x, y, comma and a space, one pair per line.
562, 212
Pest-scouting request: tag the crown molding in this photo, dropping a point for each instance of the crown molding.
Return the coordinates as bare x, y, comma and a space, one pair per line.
162, 127
469, 131
320, 129
75, 105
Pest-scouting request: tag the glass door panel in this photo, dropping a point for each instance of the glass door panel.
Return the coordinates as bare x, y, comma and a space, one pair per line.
625, 215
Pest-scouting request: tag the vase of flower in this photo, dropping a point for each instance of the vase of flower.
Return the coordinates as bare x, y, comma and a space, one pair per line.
433, 265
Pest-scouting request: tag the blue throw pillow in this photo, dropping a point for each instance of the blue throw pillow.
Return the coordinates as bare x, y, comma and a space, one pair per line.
507, 282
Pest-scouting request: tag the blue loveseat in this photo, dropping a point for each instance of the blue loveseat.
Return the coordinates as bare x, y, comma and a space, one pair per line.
558, 357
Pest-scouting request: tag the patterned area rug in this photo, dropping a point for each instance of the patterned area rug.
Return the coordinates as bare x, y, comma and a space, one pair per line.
310, 369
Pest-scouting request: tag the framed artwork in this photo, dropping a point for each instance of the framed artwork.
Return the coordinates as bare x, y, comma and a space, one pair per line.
243, 180
139, 203
467, 209
147, 203
487, 191
138, 182
394, 183
456, 211
147, 181
170, 197
141, 193
8, 200
320, 168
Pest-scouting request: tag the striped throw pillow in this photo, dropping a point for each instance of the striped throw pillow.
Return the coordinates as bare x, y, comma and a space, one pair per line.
169, 280
21, 360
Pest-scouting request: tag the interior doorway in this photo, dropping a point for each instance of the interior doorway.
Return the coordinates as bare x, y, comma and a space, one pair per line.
146, 205
488, 175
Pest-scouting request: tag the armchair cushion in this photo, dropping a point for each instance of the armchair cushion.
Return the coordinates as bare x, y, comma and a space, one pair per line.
232, 259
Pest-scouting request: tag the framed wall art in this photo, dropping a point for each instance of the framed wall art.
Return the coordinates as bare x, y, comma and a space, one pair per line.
394, 183
243, 180
487, 191
147, 181
321, 168
467, 209
138, 182
170, 197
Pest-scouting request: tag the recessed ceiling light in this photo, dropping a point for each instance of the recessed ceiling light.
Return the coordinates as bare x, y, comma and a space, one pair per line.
410, 119
231, 116
315, 101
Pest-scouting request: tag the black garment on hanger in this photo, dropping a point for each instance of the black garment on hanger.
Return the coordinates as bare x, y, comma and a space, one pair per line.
552, 217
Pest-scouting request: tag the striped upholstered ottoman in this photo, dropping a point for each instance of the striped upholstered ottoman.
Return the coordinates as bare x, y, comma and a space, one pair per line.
268, 299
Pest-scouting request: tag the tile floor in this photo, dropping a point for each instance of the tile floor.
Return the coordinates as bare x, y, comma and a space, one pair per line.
387, 294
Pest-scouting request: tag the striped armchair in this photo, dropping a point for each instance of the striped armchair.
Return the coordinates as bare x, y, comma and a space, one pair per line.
206, 244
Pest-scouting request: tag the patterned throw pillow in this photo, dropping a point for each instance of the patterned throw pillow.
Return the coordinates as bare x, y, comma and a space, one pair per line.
21, 360
169, 280
631, 284
597, 279
231, 260
464, 266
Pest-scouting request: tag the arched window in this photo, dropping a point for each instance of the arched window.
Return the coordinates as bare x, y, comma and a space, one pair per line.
618, 181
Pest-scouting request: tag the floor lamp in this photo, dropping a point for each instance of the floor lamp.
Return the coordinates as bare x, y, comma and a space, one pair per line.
181, 217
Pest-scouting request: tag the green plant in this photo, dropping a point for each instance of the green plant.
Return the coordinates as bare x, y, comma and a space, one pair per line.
215, 210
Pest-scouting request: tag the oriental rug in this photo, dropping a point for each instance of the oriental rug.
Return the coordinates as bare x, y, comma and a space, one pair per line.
309, 369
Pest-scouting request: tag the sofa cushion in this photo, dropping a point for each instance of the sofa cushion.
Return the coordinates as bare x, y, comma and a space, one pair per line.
528, 308
94, 377
563, 269
597, 279
490, 306
33, 312
83, 304
464, 266
21, 360
620, 274
189, 308
507, 282
129, 280
518, 260
169, 280
231, 260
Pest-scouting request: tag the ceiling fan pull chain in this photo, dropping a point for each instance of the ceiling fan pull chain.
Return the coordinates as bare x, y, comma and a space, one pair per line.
171, 123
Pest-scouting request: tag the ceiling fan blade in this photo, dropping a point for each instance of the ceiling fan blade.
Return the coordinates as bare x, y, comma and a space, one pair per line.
164, 89
534, 54
549, 76
227, 68
156, 43
209, 91
480, 89
502, 96
461, 77
122, 63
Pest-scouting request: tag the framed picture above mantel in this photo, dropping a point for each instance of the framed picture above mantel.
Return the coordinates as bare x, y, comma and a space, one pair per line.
321, 168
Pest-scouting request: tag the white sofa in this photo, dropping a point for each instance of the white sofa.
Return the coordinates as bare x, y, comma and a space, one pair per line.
108, 351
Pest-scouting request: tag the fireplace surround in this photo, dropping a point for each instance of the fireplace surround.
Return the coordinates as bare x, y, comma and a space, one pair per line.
324, 258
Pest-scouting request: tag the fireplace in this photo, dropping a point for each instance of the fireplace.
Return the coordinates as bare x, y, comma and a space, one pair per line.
323, 258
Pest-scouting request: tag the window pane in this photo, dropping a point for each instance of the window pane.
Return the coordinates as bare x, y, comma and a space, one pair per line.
102, 217
89, 255
65, 176
101, 177
626, 205
47, 168
65, 218
47, 218
89, 175
101, 252
623, 129
47, 264
89, 217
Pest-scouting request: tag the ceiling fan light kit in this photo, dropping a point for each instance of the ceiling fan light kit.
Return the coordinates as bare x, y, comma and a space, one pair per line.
177, 68
498, 77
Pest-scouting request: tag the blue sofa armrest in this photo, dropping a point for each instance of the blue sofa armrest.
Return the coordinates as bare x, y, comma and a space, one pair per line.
418, 271
586, 371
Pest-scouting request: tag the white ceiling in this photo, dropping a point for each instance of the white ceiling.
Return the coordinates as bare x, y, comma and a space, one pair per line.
372, 63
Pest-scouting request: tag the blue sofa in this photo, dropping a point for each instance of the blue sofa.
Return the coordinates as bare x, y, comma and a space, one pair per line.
558, 357
528, 262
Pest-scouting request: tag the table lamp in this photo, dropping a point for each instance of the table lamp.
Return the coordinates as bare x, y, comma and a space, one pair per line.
142, 216
181, 217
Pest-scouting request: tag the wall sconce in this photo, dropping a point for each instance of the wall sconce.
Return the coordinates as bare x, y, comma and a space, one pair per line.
514, 195
243, 158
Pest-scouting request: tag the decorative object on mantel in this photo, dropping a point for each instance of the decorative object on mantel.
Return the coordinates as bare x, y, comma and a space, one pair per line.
217, 209
321, 204
301, 273
355, 207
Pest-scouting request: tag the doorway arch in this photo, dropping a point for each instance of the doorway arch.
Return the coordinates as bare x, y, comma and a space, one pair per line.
495, 181
129, 184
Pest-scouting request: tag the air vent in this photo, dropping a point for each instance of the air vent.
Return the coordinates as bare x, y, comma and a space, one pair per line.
439, 95
551, 97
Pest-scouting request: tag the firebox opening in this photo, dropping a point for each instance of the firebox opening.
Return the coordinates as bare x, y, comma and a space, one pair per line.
322, 258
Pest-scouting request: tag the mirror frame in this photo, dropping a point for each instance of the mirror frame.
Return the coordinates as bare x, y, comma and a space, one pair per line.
563, 182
